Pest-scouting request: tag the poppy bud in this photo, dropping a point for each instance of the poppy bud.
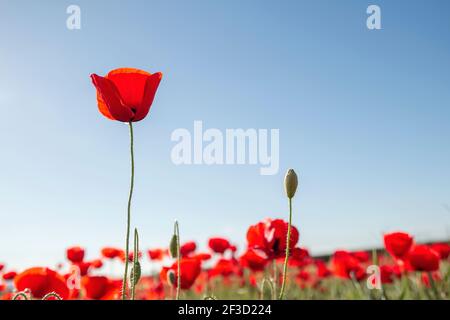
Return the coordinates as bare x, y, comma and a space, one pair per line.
173, 247
136, 273
171, 278
290, 183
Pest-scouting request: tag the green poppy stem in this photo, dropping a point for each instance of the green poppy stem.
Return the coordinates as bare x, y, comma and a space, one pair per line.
177, 232
288, 240
125, 284
135, 272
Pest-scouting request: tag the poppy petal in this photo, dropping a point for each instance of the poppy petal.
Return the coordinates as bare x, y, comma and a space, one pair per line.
112, 99
151, 86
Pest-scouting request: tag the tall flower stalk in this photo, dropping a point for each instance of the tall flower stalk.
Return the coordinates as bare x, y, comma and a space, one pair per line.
174, 249
126, 95
290, 184
130, 196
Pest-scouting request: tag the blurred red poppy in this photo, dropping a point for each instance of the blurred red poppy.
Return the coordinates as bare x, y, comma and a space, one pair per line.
299, 258
345, 265
201, 256
2, 266
100, 288
270, 236
398, 244
97, 263
157, 254
187, 248
111, 253
443, 249
75, 254
130, 256
219, 245
362, 256
190, 270
322, 269
224, 267
255, 260
9, 275
83, 267
423, 258
41, 281
126, 94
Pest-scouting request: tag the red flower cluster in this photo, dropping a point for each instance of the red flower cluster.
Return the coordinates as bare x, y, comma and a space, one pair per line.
202, 271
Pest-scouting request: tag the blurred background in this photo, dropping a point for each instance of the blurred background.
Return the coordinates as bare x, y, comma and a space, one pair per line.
363, 117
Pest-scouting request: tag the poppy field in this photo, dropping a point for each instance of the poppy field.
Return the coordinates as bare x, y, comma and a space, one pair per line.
272, 265
406, 271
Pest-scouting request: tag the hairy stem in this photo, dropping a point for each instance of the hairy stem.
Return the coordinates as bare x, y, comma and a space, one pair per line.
135, 262
177, 232
288, 240
124, 284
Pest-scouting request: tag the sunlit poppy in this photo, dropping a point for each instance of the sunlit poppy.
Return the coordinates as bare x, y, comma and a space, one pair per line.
255, 260
75, 254
100, 288
157, 254
190, 270
218, 245
423, 258
345, 265
443, 249
126, 94
111, 253
9, 275
41, 281
270, 236
398, 244
187, 248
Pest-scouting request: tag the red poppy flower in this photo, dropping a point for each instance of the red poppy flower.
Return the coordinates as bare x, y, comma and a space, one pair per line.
130, 256
9, 275
100, 288
187, 248
299, 257
190, 270
201, 256
322, 269
345, 265
111, 253
75, 254
2, 266
157, 254
255, 260
83, 267
423, 258
126, 94
224, 267
41, 281
219, 245
97, 263
362, 256
398, 244
270, 236
443, 249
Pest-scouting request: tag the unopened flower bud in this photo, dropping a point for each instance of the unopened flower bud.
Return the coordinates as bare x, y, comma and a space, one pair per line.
173, 247
136, 273
290, 183
171, 278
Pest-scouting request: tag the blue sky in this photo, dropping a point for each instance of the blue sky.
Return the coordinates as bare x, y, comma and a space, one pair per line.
363, 116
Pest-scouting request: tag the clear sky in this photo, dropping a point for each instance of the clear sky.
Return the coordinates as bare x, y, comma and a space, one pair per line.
364, 118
